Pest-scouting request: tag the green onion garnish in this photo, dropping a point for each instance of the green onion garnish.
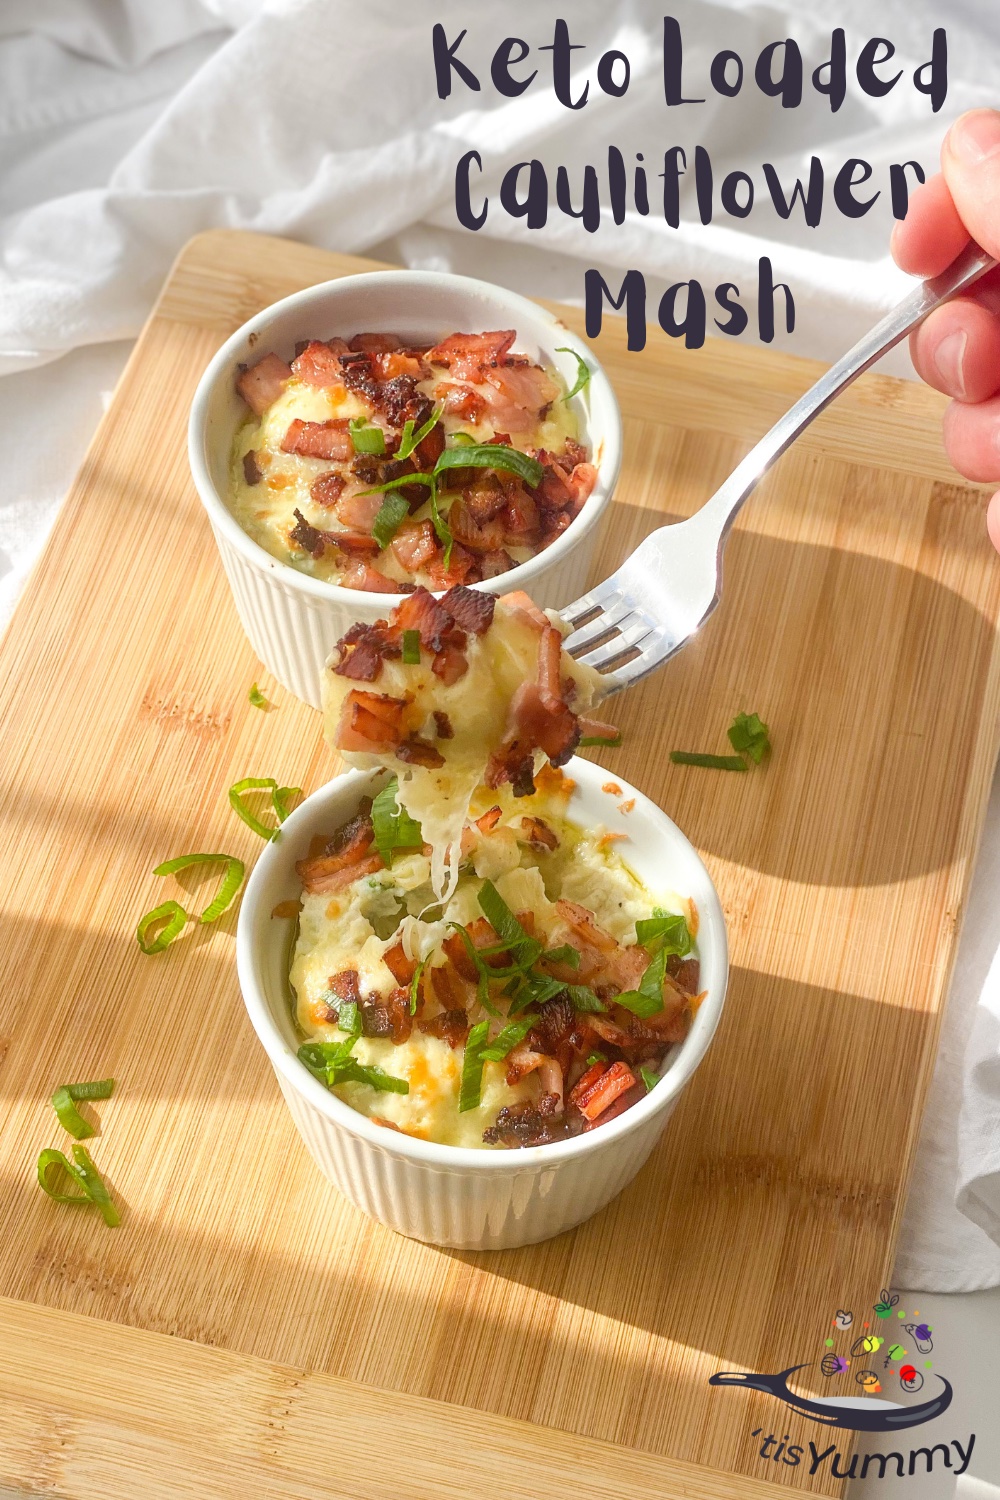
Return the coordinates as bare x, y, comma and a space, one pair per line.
503, 921
415, 986
81, 1171
393, 513
280, 796
169, 912
411, 648
471, 1087
647, 1000
582, 373
583, 998
332, 1063
366, 438
64, 1103
491, 456
710, 762
442, 530
595, 739
748, 732
511, 1035
567, 954
394, 828
649, 1078
465, 439
231, 881
257, 697
349, 1018
666, 925
595, 1057
411, 439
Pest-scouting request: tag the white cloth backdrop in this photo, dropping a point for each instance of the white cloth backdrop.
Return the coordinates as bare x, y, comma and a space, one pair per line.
127, 126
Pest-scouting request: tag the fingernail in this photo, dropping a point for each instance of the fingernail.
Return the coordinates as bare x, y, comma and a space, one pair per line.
949, 361
975, 136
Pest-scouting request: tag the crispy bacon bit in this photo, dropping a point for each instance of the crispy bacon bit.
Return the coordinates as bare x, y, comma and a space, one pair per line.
356, 510
471, 610
419, 752
371, 722
344, 987
263, 383
538, 834
389, 1017
516, 395
420, 611
687, 974
400, 967
395, 362
468, 355
460, 401
450, 664
481, 935
327, 489
526, 1124
558, 734
513, 762
361, 575
306, 536
524, 1060
363, 649
601, 1093
348, 847
374, 343
354, 543
549, 659
319, 439
585, 927
318, 364
452, 1026
252, 471
462, 567
414, 545
524, 606
495, 563
487, 823
286, 909
443, 725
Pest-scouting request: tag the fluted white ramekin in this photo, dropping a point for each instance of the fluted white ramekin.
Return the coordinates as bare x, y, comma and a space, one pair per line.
294, 620
448, 1195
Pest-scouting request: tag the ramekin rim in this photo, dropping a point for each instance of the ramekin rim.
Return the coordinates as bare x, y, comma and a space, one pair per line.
467, 1158
319, 588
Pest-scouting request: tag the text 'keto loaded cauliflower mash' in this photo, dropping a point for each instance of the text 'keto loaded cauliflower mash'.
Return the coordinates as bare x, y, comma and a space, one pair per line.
538, 1001
453, 692
370, 463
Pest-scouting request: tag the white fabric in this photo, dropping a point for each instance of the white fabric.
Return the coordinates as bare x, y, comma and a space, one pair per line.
126, 127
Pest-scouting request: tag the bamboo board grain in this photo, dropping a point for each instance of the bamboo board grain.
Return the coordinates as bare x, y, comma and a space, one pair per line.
859, 619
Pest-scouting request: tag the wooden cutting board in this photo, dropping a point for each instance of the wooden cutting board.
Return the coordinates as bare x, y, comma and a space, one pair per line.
259, 1331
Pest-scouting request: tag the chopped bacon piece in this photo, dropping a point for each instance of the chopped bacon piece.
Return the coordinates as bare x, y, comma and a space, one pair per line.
600, 1094
525, 1124
461, 568
363, 650
478, 536
389, 1017
557, 734
361, 575
452, 1026
538, 834
556, 1019
471, 610
327, 489
354, 543
523, 1060
318, 439
495, 563
482, 935
442, 724
344, 986
419, 752
400, 967
318, 365
486, 498
549, 661
374, 343
584, 925
586, 1081
395, 362
420, 611
526, 607
357, 510
306, 536
371, 722
582, 481
252, 472
596, 729
624, 1101
460, 401
487, 823
349, 846
687, 975
431, 447
468, 355
513, 762
415, 545
516, 395
554, 491
451, 991
263, 383
520, 520
450, 664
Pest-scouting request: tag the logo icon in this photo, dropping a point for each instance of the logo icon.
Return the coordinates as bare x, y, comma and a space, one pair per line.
859, 1413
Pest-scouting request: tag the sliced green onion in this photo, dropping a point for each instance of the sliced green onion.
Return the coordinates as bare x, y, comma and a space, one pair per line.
170, 912
649, 1078
596, 739
257, 697
411, 648
595, 1057
349, 1018
510, 1037
503, 921
415, 986
93, 1185
398, 484
442, 530
710, 762
582, 373
231, 881
465, 439
280, 796
375, 1077
332, 1063
647, 1000
584, 999
491, 456
49, 1162
471, 1087
393, 826
666, 925
64, 1103
367, 438
748, 732
567, 954
393, 512
411, 439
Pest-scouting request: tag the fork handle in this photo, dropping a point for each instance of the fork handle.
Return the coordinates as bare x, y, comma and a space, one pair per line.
721, 510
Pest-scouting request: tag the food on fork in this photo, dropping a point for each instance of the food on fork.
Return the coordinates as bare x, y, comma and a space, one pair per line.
540, 1000
373, 463
452, 692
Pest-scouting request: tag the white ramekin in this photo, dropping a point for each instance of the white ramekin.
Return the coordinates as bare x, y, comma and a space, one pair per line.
447, 1195
293, 620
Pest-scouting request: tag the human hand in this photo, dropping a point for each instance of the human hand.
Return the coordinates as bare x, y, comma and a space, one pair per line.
957, 348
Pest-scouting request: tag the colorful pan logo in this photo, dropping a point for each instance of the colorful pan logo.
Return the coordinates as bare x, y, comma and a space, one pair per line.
876, 1416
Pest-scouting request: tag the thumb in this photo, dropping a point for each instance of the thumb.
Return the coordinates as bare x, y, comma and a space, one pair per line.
970, 160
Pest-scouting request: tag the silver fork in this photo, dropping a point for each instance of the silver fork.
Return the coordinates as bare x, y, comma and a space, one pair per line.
645, 612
